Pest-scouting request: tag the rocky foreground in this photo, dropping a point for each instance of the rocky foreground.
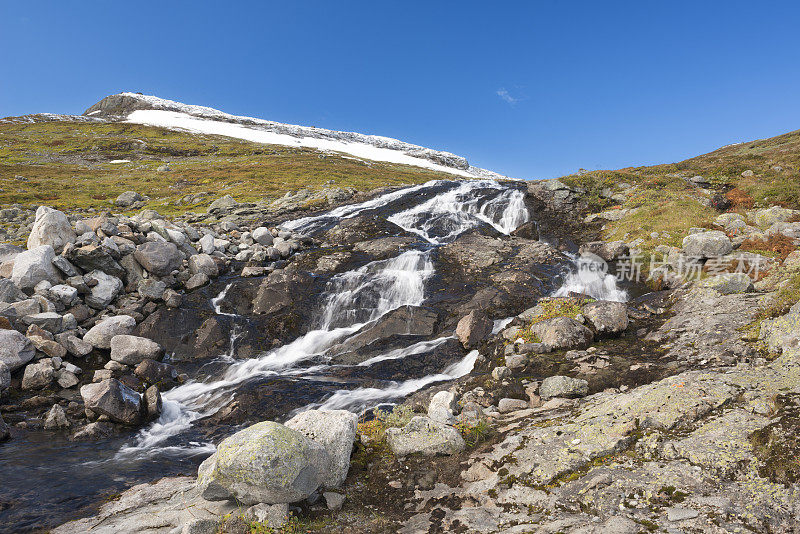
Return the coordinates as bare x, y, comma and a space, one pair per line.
675, 412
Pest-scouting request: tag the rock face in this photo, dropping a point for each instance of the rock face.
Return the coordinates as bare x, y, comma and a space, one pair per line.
707, 244
728, 283
15, 349
423, 435
473, 328
563, 386
159, 258
265, 463
33, 266
336, 431
100, 335
115, 400
606, 317
51, 228
133, 350
562, 333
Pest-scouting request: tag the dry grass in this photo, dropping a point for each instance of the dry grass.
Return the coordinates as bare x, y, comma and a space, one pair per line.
66, 165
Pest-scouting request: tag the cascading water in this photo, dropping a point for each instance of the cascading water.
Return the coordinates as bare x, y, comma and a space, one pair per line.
590, 278
351, 301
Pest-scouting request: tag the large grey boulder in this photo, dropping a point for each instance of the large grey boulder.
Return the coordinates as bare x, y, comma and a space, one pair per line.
473, 328
10, 292
728, 283
262, 236
38, 375
100, 335
15, 349
707, 244
128, 198
265, 463
764, 218
33, 266
607, 317
105, 291
133, 350
423, 435
51, 228
336, 431
95, 257
203, 264
159, 258
563, 386
114, 399
562, 333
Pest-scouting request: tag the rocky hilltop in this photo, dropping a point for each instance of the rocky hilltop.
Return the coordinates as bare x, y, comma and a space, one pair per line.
614, 351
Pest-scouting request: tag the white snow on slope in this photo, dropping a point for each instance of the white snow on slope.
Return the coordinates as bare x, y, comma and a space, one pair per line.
182, 121
202, 119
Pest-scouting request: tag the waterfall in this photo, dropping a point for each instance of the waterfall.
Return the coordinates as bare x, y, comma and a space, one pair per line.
590, 277
350, 301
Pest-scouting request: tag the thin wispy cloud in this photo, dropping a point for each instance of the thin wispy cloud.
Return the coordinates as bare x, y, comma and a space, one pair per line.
506, 96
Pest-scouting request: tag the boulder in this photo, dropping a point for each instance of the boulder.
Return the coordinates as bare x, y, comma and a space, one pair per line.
262, 236
443, 407
74, 345
264, 463
38, 375
10, 292
51, 228
423, 435
100, 335
114, 399
709, 244
95, 258
728, 283
15, 349
159, 258
507, 405
222, 204
765, 218
104, 291
562, 333
608, 251
56, 418
152, 403
563, 386
203, 263
195, 281
33, 266
606, 317
336, 431
152, 289
161, 374
128, 198
473, 328
133, 350
49, 321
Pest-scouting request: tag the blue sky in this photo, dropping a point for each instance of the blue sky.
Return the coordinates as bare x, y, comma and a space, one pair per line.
530, 89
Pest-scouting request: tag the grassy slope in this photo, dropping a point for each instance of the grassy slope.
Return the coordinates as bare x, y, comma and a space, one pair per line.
65, 165
668, 204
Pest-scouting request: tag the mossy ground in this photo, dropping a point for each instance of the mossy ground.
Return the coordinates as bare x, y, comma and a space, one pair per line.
67, 165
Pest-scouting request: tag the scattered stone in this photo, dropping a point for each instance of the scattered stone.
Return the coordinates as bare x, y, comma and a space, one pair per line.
51, 228
15, 349
473, 328
442, 407
511, 405
33, 266
562, 333
272, 516
563, 386
333, 500
606, 317
423, 435
707, 244
159, 258
56, 418
38, 375
100, 335
133, 350
115, 400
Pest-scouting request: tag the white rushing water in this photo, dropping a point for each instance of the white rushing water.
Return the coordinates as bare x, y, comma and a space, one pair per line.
350, 301
590, 277
450, 214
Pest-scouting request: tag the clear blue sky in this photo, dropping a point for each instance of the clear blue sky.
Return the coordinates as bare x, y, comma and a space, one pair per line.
530, 89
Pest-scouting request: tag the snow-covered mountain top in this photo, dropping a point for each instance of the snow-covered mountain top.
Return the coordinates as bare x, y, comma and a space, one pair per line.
155, 111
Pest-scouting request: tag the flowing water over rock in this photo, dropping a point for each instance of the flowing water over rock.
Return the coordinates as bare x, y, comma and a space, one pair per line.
305, 372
